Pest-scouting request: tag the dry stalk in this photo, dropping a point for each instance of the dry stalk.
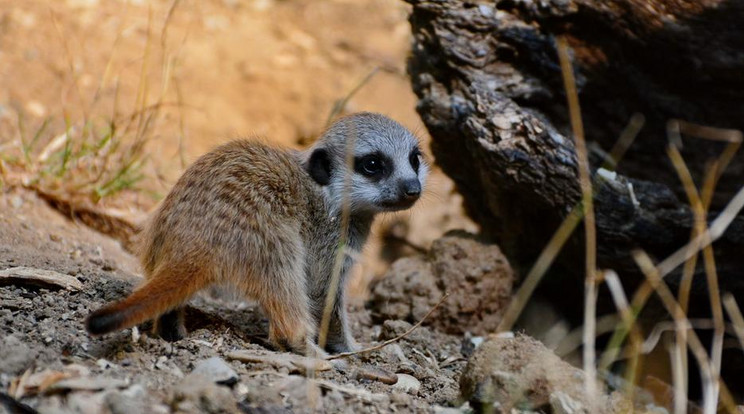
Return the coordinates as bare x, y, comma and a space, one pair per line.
737, 320
340, 105
694, 344
334, 283
392, 340
699, 205
590, 231
612, 281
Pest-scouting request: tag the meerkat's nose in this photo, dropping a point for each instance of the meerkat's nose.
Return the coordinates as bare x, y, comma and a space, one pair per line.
410, 188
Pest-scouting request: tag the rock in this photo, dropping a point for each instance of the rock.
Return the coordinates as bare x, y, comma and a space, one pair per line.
301, 392
375, 374
128, 401
407, 383
24, 276
477, 276
520, 372
217, 370
563, 404
15, 355
292, 391
198, 394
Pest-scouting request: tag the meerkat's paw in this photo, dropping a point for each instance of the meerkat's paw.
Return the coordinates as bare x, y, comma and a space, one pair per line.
344, 344
314, 351
170, 325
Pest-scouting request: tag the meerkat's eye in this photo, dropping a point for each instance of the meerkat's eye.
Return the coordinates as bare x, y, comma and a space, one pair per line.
370, 165
415, 159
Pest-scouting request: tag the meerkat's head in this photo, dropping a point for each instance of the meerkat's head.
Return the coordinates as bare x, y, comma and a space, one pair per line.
386, 171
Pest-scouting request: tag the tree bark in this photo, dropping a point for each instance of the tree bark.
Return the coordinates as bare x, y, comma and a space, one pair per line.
491, 95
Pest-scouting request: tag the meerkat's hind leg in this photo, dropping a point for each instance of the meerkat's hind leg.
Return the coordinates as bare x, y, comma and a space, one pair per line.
170, 325
284, 298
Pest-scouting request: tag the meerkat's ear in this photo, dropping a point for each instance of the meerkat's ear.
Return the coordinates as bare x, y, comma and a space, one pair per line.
319, 166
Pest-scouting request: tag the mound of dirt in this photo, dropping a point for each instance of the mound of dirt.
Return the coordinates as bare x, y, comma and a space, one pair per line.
477, 276
520, 372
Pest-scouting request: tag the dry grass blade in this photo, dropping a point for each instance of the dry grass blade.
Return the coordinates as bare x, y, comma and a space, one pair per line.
391, 340
330, 300
710, 133
737, 320
710, 384
590, 231
95, 157
612, 281
714, 232
538, 270
699, 208
340, 105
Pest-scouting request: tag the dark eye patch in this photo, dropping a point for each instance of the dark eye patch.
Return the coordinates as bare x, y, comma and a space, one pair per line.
374, 165
415, 159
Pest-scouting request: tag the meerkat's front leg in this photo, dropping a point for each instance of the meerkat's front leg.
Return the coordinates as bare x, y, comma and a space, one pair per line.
339, 338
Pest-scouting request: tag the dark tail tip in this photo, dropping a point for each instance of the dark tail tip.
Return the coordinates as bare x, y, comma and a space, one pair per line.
104, 321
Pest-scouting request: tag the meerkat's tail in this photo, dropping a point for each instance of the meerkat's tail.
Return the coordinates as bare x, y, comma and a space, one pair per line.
164, 291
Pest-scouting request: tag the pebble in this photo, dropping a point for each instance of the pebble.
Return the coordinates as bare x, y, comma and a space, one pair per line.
407, 383
216, 370
198, 394
376, 374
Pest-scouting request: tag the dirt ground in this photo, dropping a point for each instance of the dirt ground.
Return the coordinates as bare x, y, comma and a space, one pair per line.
42, 335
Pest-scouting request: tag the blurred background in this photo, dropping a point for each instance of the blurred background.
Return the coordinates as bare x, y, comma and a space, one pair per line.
169, 80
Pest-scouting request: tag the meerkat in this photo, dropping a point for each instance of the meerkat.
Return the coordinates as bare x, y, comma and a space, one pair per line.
268, 222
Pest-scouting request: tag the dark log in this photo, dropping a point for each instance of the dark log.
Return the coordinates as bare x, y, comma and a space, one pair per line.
491, 95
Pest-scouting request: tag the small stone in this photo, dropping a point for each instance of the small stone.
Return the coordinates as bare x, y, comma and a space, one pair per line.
199, 394
376, 374
400, 399
516, 370
127, 401
16, 202
563, 404
216, 370
105, 364
407, 383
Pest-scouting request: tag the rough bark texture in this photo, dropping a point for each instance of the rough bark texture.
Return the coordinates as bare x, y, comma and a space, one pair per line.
491, 95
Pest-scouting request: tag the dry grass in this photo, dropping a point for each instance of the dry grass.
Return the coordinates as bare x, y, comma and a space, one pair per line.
627, 342
87, 158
